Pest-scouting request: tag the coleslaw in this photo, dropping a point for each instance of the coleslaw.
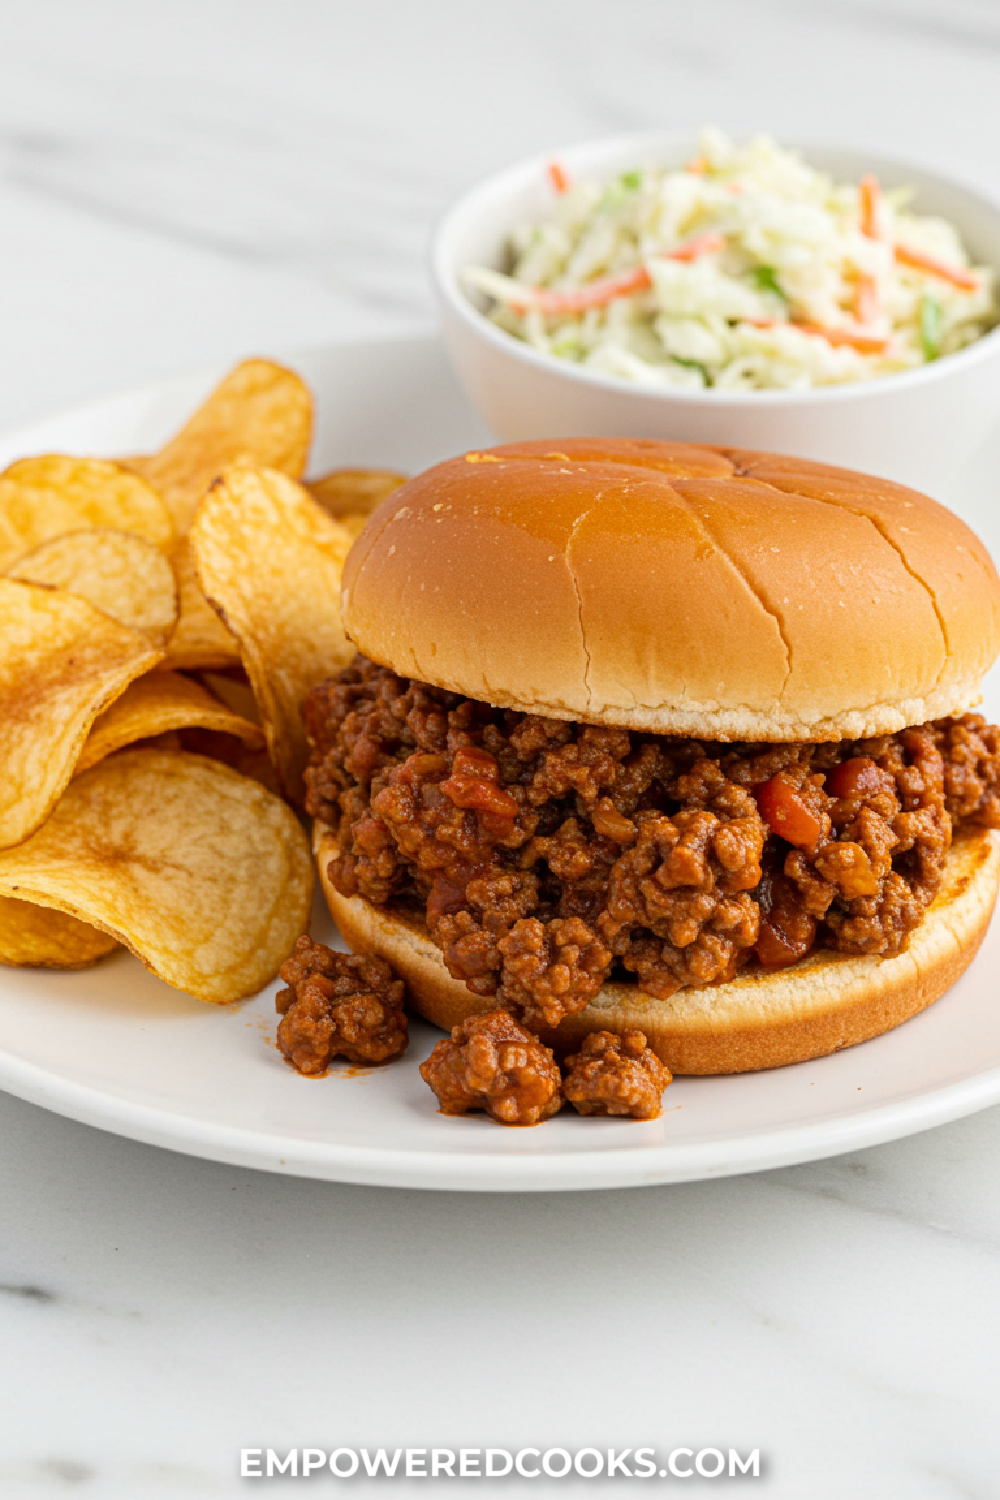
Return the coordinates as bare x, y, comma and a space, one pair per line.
745, 269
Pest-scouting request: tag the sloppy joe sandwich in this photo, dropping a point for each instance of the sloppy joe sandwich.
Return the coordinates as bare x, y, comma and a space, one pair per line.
646, 736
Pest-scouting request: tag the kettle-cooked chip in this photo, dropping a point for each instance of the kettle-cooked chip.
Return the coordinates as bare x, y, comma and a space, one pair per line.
122, 574
261, 412
226, 748
351, 492
350, 495
202, 873
354, 524
270, 560
200, 639
235, 691
61, 663
33, 937
47, 496
156, 704
255, 763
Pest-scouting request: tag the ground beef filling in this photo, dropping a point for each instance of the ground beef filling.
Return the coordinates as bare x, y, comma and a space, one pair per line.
492, 1062
549, 856
338, 1005
616, 1075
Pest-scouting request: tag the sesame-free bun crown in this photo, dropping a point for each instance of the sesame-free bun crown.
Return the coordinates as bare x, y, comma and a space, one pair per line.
679, 589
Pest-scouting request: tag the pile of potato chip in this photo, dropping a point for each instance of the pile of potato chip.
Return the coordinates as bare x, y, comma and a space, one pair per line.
161, 619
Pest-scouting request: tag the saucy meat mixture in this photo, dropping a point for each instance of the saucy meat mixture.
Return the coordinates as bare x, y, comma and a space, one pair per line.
549, 856
493, 1062
338, 1005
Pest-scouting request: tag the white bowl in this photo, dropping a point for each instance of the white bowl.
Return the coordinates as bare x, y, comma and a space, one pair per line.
914, 427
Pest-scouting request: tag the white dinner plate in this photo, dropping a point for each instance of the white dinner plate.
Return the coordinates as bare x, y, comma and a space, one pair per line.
116, 1048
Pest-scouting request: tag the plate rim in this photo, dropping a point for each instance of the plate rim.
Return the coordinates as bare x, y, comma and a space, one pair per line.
375, 1166
642, 1165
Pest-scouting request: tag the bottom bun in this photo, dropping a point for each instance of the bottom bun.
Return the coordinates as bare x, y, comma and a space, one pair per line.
761, 1019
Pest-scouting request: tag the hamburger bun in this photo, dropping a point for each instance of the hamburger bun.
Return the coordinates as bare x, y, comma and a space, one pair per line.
678, 590
674, 589
761, 1019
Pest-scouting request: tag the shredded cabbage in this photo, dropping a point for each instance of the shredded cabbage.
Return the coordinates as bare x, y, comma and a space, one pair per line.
740, 271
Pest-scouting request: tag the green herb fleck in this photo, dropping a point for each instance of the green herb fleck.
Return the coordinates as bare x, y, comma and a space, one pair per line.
931, 317
765, 279
631, 181
567, 349
693, 364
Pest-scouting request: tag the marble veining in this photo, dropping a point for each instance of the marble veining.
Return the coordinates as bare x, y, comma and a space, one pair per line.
28, 1293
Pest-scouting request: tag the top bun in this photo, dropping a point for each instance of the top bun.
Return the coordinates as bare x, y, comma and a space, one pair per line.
680, 589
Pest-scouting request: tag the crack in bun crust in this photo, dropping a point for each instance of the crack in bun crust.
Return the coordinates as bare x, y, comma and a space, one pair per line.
677, 589
722, 594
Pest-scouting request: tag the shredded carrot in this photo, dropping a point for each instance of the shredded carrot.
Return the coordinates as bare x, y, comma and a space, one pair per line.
594, 294
869, 203
864, 343
609, 288
964, 280
702, 244
698, 165
558, 177
865, 297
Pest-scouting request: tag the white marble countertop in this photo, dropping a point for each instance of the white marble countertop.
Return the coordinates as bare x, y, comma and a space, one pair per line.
184, 183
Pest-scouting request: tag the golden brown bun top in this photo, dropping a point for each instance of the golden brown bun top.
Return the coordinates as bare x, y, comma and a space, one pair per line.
675, 588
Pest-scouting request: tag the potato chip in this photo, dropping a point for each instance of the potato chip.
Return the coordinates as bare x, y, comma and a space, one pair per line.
200, 639
261, 413
62, 662
33, 937
156, 704
258, 764
169, 741
124, 575
235, 692
354, 524
350, 495
353, 492
270, 560
247, 759
48, 496
202, 873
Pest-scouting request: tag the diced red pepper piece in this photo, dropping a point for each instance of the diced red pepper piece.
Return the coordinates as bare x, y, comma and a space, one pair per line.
858, 777
470, 760
786, 932
478, 795
473, 792
474, 784
776, 949
786, 812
